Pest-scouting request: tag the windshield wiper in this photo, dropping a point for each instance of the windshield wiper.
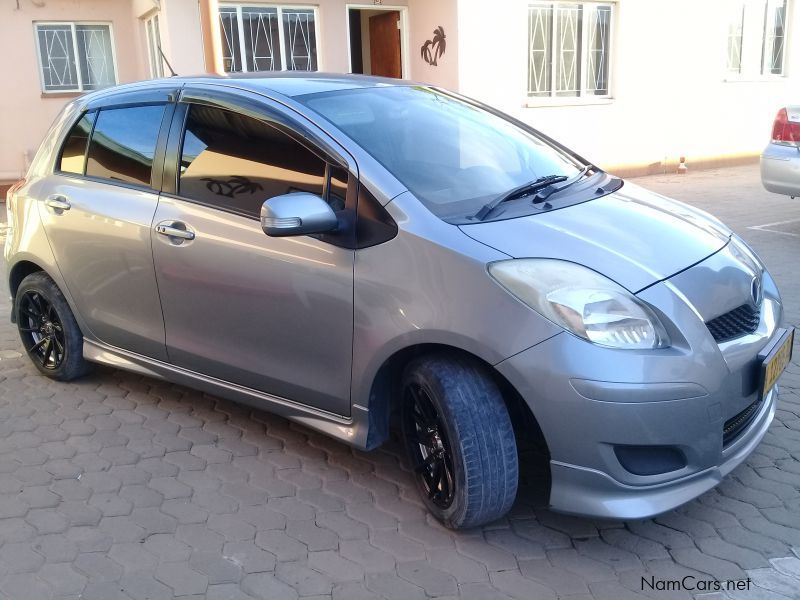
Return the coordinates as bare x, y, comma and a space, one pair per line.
518, 192
548, 190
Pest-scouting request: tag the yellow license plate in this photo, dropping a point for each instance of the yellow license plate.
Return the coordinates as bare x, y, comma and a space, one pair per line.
776, 361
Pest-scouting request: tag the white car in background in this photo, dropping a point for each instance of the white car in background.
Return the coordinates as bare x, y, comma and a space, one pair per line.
780, 162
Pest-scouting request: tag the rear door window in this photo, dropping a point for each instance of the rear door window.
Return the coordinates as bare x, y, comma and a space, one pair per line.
73, 152
235, 162
124, 142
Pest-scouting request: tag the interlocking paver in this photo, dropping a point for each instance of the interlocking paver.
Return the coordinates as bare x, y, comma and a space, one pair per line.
141, 586
249, 557
557, 578
121, 486
166, 548
24, 585
433, 581
717, 567
284, 547
393, 587
20, 558
184, 511
98, 567
183, 580
55, 548
519, 546
744, 557
133, 557
368, 556
312, 535
63, 578
219, 568
304, 581
267, 587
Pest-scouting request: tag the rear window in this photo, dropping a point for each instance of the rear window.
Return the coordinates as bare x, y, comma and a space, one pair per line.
124, 143
73, 153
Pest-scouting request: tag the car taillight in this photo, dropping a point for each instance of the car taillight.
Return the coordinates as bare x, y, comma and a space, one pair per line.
785, 131
10, 200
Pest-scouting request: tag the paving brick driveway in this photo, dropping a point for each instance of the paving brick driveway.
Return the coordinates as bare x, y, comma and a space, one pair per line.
120, 486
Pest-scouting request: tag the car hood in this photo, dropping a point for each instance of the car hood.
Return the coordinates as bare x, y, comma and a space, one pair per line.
632, 236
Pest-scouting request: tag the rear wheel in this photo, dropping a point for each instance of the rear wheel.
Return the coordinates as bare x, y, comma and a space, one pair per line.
48, 329
459, 439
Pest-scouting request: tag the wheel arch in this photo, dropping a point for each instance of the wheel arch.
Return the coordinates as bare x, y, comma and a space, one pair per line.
17, 273
384, 400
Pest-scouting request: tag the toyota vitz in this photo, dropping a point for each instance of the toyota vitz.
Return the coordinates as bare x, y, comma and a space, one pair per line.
347, 251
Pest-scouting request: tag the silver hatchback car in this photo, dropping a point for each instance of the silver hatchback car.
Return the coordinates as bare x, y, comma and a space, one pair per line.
780, 161
357, 253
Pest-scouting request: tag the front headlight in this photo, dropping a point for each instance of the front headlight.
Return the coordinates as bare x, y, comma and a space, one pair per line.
582, 301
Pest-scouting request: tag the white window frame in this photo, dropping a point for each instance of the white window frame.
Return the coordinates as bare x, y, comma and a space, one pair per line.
405, 42
74, 38
584, 96
281, 36
754, 39
156, 62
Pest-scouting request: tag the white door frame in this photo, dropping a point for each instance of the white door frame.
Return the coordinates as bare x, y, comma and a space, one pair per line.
405, 57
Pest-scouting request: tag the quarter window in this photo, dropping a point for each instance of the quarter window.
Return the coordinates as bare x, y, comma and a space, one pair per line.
75, 57
124, 143
268, 38
73, 153
235, 162
569, 49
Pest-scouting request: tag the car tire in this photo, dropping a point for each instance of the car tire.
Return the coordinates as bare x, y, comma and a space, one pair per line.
459, 440
48, 329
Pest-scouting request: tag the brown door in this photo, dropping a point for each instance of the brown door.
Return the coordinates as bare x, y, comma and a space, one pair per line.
384, 44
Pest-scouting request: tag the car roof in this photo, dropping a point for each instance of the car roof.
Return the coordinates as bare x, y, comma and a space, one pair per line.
285, 83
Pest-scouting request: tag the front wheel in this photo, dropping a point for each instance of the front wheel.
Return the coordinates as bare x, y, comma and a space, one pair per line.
459, 440
48, 329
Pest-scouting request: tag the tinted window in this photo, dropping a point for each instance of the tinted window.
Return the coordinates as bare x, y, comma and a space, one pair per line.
236, 162
124, 143
337, 190
73, 153
452, 155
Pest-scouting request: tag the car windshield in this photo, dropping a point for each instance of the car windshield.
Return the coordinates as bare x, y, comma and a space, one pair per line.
452, 155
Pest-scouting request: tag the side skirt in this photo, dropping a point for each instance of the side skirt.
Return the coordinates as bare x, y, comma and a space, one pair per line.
351, 430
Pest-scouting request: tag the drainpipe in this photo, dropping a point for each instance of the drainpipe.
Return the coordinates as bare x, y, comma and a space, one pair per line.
212, 42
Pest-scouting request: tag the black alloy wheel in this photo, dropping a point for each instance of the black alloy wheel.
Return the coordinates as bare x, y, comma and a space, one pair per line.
42, 330
48, 329
430, 448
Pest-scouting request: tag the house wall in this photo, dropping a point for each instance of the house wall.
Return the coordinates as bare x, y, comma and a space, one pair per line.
668, 98
179, 21
669, 87
425, 16
25, 112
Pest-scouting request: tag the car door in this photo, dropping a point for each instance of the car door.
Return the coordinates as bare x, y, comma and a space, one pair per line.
267, 313
97, 208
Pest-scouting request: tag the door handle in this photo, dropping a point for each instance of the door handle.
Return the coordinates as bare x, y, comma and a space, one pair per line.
57, 202
168, 229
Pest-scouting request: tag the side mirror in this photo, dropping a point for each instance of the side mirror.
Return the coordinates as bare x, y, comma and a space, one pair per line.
298, 213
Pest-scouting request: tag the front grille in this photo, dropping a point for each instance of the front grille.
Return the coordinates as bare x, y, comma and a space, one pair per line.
736, 323
738, 423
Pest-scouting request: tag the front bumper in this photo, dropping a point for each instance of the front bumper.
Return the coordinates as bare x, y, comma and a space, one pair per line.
585, 491
592, 401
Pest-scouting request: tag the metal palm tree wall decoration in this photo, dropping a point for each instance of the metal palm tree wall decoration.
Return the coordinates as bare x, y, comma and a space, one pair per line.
434, 48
